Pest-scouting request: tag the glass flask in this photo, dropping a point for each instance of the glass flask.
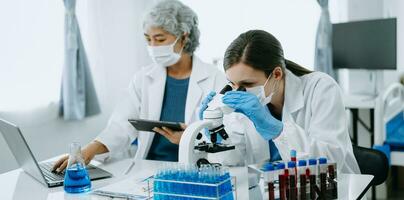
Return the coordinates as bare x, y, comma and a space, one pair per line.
76, 179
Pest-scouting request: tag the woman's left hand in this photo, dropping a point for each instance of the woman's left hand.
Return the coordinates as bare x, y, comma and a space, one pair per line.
172, 136
249, 105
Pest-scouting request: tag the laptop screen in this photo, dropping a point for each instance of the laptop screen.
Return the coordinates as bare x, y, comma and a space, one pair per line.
19, 147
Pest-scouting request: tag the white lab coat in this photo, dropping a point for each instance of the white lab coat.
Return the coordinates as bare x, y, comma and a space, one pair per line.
314, 120
144, 100
315, 123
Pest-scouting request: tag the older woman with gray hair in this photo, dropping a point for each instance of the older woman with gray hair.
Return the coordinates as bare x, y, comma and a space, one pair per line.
169, 89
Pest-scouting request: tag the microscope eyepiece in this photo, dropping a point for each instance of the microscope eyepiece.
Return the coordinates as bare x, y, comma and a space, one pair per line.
241, 88
226, 89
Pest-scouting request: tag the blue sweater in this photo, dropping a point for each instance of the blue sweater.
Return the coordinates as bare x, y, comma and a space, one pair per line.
173, 110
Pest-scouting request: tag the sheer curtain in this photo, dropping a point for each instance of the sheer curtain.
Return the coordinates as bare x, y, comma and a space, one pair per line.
323, 52
78, 98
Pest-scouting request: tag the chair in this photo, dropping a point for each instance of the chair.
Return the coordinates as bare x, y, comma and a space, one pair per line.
372, 162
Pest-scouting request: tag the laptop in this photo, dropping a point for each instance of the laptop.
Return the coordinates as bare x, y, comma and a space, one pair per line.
42, 172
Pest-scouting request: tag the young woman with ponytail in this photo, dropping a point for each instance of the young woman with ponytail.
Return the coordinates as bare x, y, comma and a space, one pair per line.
289, 106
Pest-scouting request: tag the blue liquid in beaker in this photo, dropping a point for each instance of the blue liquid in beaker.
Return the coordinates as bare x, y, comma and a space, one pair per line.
77, 179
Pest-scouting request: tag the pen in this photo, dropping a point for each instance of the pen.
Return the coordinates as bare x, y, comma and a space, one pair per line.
130, 167
119, 195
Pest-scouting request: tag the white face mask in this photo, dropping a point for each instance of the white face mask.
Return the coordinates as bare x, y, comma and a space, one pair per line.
259, 91
164, 55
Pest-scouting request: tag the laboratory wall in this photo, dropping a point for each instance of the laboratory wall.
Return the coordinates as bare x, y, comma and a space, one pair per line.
293, 22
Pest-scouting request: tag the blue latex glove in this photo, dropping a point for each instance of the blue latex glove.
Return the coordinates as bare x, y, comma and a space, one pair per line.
203, 106
249, 105
205, 103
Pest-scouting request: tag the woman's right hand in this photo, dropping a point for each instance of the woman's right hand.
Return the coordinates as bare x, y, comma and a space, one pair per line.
248, 104
88, 154
205, 103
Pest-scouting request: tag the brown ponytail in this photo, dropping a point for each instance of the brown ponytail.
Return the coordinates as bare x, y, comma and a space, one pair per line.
295, 68
260, 50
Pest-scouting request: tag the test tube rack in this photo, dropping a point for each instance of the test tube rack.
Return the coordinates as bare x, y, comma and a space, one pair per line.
161, 189
323, 189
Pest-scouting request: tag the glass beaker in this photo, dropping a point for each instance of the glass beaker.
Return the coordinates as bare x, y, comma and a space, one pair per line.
76, 179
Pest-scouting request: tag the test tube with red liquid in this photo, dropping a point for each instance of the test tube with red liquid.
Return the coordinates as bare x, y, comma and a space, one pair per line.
312, 178
294, 159
323, 175
269, 178
292, 180
332, 180
302, 171
283, 174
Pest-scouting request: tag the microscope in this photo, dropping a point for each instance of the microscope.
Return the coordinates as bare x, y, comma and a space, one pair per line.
212, 121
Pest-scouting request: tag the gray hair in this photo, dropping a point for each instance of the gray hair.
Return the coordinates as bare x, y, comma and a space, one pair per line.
177, 19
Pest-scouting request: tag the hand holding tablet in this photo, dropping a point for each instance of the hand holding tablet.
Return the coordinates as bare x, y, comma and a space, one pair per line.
149, 125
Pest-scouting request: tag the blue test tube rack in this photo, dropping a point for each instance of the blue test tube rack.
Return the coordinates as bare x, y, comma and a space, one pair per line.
191, 183
182, 190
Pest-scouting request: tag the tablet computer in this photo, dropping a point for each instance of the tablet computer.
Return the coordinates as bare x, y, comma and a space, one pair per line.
148, 125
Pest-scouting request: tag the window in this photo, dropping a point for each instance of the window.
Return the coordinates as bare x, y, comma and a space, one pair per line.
31, 52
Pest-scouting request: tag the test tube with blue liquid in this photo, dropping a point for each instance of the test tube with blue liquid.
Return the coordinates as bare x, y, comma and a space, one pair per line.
189, 182
76, 178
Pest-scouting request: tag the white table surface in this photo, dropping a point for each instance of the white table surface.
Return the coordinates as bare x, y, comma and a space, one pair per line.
16, 184
350, 186
359, 101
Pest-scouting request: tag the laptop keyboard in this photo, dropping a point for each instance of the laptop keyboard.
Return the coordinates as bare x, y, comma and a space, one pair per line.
46, 169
